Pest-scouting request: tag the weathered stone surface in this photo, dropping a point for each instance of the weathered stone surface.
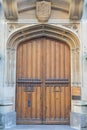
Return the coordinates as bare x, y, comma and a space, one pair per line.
41, 127
78, 120
7, 120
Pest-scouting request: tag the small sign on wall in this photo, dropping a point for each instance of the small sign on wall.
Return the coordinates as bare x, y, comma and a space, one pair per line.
76, 93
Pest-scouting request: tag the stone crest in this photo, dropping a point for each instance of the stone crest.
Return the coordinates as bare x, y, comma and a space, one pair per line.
43, 10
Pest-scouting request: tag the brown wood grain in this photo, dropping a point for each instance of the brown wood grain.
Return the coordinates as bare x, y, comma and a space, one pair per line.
43, 58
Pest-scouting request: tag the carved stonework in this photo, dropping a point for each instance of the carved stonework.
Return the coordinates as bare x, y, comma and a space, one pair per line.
13, 26
73, 27
76, 9
73, 8
10, 9
43, 10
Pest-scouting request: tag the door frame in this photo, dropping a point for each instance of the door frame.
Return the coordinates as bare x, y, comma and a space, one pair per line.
30, 32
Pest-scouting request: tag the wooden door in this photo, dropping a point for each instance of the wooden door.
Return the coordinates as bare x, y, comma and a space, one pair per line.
43, 76
57, 78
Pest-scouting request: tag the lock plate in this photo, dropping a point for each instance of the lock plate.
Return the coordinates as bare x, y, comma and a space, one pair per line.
29, 103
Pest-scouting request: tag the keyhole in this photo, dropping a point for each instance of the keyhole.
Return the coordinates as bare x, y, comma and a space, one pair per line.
29, 103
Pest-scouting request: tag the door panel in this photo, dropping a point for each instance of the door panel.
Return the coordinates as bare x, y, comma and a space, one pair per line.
43, 76
56, 67
29, 101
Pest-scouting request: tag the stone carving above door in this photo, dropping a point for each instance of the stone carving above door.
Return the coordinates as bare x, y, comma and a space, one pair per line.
76, 9
72, 9
75, 27
43, 10
10, 9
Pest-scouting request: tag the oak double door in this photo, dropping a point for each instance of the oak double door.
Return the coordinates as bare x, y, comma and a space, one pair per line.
43, 82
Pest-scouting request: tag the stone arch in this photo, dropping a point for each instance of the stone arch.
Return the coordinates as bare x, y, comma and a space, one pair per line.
36, 31
30, 32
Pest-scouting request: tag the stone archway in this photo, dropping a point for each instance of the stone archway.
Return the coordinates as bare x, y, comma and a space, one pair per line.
36, 31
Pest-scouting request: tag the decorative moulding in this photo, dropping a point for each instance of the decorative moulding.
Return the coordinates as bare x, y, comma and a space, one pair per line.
10, 9
73, 8
76, 9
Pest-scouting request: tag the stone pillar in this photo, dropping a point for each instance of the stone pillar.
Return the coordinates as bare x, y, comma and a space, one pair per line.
7, 89
76, 116
79, 109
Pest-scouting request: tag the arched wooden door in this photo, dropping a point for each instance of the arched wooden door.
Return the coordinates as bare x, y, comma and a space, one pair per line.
43, 82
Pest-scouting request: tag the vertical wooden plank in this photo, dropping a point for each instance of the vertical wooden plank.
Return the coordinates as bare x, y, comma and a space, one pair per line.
62, 103
44, 77
58, 100
24, 63
52, 58
48, 59
28, 110
24, 76
34, 45
29, 63
39, 60
39, 102
55, 77
52, 42
52, 103
19, 90
62, 59
62, 76
67, 63
35, 62
33, 76
18, 65
67, 75
67, 100
64, 86
25, 94
21, 60
48, 68
39, 65
19, 95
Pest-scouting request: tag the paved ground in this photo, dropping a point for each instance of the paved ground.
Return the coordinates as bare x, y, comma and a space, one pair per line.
41, 127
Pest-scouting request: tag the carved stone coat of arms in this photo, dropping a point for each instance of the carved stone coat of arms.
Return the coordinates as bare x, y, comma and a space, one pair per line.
43, 10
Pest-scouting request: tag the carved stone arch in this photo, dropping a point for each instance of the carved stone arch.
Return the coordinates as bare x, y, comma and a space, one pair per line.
36, 31
30, 32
